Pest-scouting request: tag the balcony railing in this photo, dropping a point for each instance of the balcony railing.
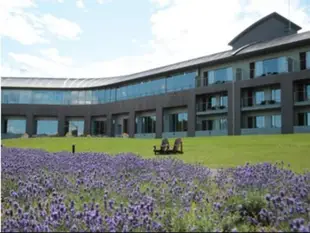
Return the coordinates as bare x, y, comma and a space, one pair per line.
301, 96
291, 65
253, 102
204, 107
203, 82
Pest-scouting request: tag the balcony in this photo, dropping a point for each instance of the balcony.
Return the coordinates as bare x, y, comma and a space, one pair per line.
301, 98
206, 109
251, 103
267, 67
211, 127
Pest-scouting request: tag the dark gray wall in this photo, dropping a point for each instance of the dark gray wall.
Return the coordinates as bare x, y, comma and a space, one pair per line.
160, 102
268, 30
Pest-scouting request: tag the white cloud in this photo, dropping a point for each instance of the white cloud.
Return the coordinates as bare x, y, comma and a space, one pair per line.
60, 27
43, 66
53, 55
29, 28
162, 3
101, 1
194, 28
80, 4
15, 24
181, 29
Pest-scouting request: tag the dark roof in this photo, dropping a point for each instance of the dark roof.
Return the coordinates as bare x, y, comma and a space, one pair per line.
62, 83
261, 21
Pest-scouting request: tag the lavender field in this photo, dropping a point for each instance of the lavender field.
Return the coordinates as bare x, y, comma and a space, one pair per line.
92, 192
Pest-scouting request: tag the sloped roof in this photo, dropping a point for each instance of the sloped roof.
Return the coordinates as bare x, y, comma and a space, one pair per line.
261, 21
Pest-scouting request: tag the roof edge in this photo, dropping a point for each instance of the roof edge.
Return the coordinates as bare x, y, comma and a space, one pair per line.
260, 21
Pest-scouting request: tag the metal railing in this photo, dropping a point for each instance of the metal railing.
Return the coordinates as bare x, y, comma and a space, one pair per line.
203, 82
203, 107
253, 102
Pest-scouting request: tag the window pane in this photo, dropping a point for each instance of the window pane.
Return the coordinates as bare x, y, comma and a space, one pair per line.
259, 97
16, 126
260, 122
270, 66
48, 127
276, 121
276, 95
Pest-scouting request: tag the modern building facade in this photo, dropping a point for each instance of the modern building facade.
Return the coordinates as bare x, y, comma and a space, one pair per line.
260, 86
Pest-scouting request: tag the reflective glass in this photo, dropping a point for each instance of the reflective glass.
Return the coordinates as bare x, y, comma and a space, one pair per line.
147, 88
59, 97
307, 91
16, 126
259, 97
77, 124
220, 75
260, 122
223, 124
270, 66
145, 124
224, 101
49, 127
276, 95
276, 121
25, 97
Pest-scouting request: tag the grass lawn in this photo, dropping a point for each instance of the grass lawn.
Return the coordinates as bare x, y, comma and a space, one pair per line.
213, 152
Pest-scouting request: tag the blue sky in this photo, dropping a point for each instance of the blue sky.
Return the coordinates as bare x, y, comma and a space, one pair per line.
101, 38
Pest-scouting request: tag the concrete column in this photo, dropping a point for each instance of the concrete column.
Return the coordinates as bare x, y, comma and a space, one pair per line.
191, 114
3, 125
287, 106
87, 125
159, 122
109, 124
61, 125
30, 125
131, 123
234, 110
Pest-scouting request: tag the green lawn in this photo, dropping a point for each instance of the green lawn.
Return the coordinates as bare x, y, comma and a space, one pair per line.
211, 151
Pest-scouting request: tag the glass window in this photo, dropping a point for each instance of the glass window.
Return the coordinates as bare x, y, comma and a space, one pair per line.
77, 125
48, 127
223, 124
276, 95
74, 98
88, 97
129, 92
259, 69
307, 90
5, 96
146, 124
81, 98
259, 97
224, 101
276, 121
260, 122
16, 126
270, 66
59, 97
112, 95
212, 102
25, 97
308, 60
